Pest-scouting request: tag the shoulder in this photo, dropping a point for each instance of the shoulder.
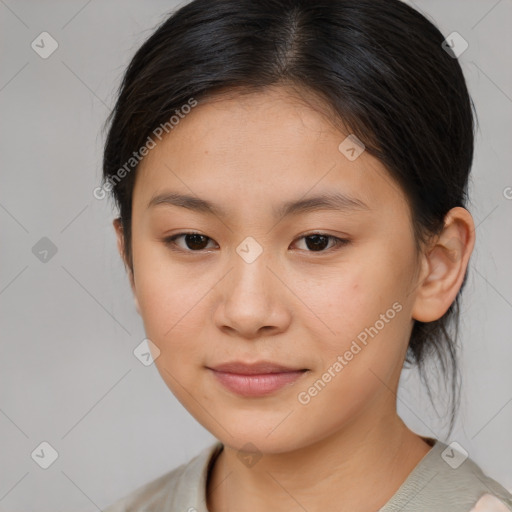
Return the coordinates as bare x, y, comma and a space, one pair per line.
182, 488
447, 479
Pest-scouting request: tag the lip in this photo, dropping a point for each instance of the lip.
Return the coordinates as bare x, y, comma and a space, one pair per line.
258, 368
255, 379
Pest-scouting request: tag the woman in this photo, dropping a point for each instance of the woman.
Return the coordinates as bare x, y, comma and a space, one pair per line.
291, 179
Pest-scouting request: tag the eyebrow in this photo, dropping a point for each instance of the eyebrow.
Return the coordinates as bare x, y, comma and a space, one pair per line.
332, 201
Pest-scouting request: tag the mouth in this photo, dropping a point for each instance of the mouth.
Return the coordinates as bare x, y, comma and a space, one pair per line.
255, 379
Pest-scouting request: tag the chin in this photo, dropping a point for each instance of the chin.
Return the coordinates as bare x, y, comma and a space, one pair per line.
263, 437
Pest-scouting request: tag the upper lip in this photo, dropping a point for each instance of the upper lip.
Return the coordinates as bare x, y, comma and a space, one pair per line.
257, 368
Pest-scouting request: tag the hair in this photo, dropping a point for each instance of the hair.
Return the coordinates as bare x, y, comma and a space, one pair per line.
377, 66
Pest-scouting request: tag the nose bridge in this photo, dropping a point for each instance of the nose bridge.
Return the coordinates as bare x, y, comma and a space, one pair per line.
250, 273
250, 295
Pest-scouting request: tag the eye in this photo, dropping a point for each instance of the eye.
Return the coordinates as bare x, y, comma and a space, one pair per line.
316, 242
196, 242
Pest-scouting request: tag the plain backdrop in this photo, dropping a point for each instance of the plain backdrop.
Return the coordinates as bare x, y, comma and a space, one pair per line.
68, 375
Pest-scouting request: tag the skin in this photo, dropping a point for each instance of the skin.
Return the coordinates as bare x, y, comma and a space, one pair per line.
292, 305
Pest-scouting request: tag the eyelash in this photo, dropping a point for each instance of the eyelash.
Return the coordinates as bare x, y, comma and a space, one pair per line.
339, 242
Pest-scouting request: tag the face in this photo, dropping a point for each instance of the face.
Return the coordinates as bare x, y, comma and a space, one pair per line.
326, 290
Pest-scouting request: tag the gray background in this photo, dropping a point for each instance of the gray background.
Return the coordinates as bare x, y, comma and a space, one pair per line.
68, 375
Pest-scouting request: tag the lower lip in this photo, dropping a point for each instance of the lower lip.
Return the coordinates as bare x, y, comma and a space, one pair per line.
256, 385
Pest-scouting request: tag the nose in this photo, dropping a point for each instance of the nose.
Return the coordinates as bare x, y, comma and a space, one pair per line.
252, 300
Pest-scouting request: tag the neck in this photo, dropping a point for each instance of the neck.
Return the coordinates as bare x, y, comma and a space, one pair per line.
358, 468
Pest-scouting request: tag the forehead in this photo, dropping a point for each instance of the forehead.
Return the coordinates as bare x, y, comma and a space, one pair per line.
269, 147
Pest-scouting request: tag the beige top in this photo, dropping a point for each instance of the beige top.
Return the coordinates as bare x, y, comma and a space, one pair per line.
443, 480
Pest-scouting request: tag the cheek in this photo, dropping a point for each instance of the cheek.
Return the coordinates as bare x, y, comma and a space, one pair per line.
348, 298
169, 298
173, 315
365, 311
171, 309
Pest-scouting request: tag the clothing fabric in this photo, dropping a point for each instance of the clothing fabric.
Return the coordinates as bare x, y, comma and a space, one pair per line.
443, 480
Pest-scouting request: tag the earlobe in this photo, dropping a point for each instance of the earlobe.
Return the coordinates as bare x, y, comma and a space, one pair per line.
136, 301
120, 236
445, 263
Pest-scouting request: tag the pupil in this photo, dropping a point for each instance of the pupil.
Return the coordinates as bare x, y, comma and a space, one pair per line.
194, 244
319, 241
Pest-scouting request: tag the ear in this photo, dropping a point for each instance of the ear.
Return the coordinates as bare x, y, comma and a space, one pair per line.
444, 265
118, 226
